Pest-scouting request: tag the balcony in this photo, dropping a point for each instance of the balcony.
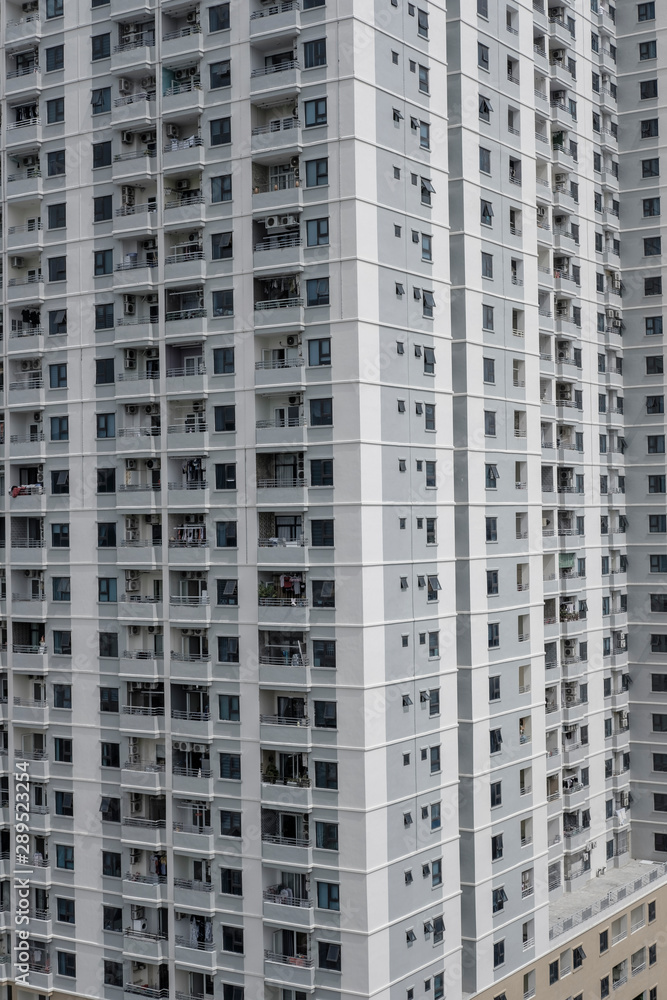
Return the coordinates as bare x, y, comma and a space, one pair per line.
184, 154
276, 136
134, 110
187, 41
137, 165
183, 98
283, 194
272, 22
281, 80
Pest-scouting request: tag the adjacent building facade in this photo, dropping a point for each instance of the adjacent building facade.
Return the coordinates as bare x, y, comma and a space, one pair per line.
323, 360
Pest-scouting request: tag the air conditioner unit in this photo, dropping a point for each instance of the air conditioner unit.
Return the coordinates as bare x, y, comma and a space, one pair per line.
569, 644
154, 464
124, 85
131, 409
191, 575
29, 8
130, 363
271, 221
148, 81
132, 585
617, 323
132, 536
181, 74
135, 806
288, 220
182, 746
130, 463
192, 17
130, 28
127, 194
610, 313
17, 261
155, 629
30, 161
36, 363
26, 365
40, 477
199, 406
149, 244
198, 747
155, 518
130, 354
132, 574
131, 520
183, 184
292, 341
201, 518
617, 314
152, 353
173, 131
147, 136
129, 304
152, 300
127, 138
135, 855
37, 416
135, 630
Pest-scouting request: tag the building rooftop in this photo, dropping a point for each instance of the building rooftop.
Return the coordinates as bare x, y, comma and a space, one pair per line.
616, 886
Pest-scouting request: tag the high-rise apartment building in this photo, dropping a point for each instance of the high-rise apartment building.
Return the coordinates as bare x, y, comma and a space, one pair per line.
324, 363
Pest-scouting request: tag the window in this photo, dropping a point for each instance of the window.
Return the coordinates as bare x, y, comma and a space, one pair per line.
230, 823
317, 292
495, 741
482, 56
315, 53
57, 268
111, 865
553, 972
329, 956
317, 232
102, 262
104, 371
491, 477
60, 482
434, 702
319, 352
646, 11
484, 160
324, 653
112, 918
228, 649
498, 954
104, 319
656, 484
58, 376
231, 881
499, 897
230, 766
222, 246
491, 529
101, 47
55, 58
107, 591
653, 286
221, 188
494, 688
101, 155
102, 208
101, 100
321, 413
106, 425
315, 112
424, 135
56, 163
651, 167
648, 89
496, 794
57, 216
659, 643
57, 322
325, 714
225, 476
422, 23
225, 534
326, 836
218, 17
232, 939
655, 404
229, 708
317, 172
649, 128
487, 265
489, 370
654, 365
225, 418
65, 857
66, 964
109, 699
328, 897
60, 428
423, 79
493, 635
221, 131
326, 774
657, 524
492, 582
65, 911
429, 416
106, 480
652, 246
220, 74
485, 108
55, 110
227, 592
62, 750
62, 693
62, 642
322, 533
497, 847
223, 361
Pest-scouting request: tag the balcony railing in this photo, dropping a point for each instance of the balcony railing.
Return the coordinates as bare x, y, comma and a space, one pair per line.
277, 125
142, 710
145, 879
177, 713
190, 883
184, 942
277, 68
278, 304
192, 772
279, 8
303, 960
287, 900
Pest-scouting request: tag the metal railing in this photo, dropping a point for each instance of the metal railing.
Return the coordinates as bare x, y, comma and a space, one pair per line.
277, 68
